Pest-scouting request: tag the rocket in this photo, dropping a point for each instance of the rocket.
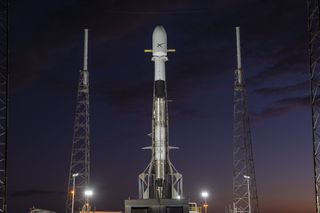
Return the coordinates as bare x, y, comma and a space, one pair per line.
160, 184
160, 121
160, 166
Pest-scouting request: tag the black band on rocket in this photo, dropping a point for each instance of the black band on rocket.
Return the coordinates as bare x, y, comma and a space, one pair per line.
159, 88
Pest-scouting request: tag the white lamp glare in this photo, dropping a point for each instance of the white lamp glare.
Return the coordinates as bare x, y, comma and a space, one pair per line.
204, 194
88, 193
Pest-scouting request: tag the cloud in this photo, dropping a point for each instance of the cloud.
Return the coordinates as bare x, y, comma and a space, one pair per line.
273, 91
295, 101
286, 61
282, 107
273, 112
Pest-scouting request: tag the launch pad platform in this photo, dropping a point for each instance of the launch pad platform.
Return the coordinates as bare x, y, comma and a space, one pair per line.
157, 206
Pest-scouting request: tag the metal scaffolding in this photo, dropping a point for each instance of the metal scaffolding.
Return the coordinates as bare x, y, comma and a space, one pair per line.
245, 199
314, 68
4, 89
79, 174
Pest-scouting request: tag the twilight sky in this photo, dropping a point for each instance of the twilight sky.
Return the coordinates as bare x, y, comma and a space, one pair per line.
46, 50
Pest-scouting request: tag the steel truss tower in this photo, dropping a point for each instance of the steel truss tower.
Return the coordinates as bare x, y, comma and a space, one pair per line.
245, 199
314, 53
4, 89
80, 154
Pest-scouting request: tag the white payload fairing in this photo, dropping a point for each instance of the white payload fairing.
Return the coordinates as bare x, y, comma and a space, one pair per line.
160, 179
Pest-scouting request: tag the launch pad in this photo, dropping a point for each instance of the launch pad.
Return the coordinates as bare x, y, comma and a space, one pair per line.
156, 206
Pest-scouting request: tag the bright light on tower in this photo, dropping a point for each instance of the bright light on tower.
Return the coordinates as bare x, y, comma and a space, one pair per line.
88, 193
75, 174
178, 197
204, 194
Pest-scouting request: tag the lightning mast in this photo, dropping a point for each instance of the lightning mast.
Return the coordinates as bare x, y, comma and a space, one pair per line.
245, 199
314, 69
80, 154
4, 89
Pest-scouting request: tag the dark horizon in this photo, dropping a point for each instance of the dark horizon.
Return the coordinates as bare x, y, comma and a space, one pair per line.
46, 54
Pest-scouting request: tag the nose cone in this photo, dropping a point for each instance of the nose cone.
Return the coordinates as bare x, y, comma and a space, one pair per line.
159, 41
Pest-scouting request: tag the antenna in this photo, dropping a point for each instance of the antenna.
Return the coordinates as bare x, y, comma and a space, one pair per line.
239, 66
85, 55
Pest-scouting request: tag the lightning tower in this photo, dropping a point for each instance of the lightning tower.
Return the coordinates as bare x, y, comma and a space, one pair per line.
4, 89
314, 70
245, 199
80, 154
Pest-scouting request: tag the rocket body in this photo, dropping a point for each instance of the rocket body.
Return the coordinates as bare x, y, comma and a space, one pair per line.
160, 180
160, 142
